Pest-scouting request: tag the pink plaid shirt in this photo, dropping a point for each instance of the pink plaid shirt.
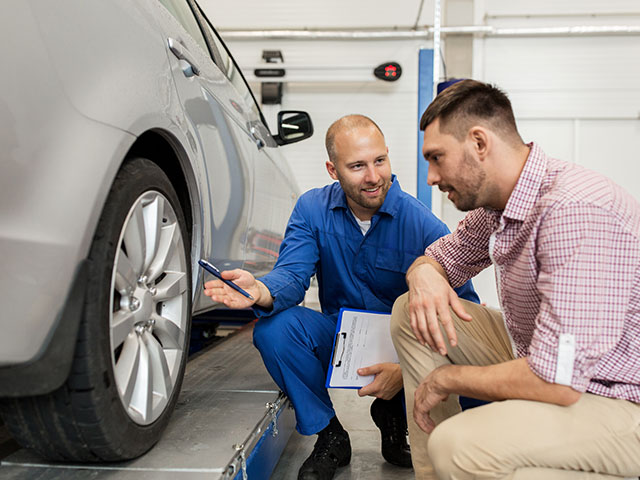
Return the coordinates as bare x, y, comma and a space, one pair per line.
566, 251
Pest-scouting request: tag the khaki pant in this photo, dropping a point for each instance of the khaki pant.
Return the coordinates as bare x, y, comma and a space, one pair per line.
595, 438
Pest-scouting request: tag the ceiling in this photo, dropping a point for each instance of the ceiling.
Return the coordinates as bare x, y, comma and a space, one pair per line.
325, 14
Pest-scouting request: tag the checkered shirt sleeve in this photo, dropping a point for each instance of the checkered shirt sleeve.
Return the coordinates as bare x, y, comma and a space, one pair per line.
587, 262
465, 252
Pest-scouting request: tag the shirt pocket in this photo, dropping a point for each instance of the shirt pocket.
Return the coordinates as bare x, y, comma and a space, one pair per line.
393, 260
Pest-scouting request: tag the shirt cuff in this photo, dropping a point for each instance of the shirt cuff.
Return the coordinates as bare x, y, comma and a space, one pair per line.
283, 298
560, 361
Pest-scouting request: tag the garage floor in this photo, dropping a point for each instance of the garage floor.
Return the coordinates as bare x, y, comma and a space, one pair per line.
223, 396
366, 460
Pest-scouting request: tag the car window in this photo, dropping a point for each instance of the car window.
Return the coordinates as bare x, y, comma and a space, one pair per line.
228, 65
182, 12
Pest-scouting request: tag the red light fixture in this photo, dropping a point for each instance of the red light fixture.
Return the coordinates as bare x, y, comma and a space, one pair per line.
389, 71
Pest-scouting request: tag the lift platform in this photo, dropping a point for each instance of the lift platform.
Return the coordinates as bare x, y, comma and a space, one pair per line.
231, 423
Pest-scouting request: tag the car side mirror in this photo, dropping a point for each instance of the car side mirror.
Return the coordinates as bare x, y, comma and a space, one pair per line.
293, 126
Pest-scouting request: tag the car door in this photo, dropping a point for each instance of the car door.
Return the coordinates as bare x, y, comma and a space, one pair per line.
275, 190
221, 144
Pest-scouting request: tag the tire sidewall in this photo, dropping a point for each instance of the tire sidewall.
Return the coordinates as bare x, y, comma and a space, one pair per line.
136, 177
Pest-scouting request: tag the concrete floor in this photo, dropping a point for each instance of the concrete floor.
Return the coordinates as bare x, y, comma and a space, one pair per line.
366, 460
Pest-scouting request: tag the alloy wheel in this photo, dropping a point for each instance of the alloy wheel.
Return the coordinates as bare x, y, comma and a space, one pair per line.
149, 302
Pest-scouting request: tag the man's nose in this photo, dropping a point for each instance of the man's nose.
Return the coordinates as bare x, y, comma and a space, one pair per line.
432, 176
371, 175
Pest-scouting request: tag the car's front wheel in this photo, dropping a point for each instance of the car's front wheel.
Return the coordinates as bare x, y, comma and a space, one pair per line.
133, 339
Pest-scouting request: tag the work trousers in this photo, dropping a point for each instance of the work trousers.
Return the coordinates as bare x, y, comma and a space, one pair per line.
296, 346
596, 438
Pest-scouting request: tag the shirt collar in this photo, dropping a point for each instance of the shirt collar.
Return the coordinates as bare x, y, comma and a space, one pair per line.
524, 195
389, 206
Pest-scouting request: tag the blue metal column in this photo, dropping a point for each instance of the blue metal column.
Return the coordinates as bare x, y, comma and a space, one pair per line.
425, 95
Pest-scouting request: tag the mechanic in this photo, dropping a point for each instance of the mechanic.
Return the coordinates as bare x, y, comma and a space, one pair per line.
563, 368
358, 236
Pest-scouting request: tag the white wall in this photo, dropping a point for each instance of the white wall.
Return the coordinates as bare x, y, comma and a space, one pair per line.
393, 105
578, 97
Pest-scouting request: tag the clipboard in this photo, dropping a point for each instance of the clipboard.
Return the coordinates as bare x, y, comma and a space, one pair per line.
362, 339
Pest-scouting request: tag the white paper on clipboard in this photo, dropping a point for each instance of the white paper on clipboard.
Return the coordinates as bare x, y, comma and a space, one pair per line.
362, 339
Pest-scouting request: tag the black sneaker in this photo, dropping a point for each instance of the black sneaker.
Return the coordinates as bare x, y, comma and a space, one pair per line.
389, 416
332, 450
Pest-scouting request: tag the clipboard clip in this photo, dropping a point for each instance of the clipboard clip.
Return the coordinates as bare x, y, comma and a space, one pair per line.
340, 342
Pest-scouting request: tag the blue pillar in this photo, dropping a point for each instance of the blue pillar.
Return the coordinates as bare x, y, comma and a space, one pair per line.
425, 95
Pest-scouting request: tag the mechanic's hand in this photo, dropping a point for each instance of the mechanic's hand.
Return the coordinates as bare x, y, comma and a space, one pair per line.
222, 293
387, 381
430, 297
426, 397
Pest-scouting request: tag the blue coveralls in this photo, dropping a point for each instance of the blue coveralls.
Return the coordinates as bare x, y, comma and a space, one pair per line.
354, 271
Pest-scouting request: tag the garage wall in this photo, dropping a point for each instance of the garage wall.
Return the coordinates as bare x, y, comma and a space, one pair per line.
344, 90
345, 70
578, 97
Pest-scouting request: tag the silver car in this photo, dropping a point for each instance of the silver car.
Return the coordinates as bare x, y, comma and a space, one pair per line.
131, 148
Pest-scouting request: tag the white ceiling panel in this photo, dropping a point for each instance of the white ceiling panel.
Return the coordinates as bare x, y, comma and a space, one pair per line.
560, 7
327, 14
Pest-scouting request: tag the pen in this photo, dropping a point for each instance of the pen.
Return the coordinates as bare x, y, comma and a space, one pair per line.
216, 273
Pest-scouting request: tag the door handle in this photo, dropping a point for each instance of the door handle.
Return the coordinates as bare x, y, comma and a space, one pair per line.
259, 142
181, 53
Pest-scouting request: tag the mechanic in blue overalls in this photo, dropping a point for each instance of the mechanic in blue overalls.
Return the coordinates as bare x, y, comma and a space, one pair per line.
359, 236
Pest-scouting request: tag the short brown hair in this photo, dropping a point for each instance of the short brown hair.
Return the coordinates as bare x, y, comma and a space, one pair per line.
347, 122
468, 103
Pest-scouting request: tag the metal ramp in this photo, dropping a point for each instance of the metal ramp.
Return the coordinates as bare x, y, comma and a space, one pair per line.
231, 422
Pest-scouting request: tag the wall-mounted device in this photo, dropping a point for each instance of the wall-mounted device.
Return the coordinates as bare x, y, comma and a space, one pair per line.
389, 71
271, 92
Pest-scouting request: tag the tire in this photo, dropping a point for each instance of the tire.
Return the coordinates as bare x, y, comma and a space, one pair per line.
133, 338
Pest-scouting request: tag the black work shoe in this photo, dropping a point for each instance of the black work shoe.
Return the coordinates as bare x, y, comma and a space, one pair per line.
332, 450
389, 416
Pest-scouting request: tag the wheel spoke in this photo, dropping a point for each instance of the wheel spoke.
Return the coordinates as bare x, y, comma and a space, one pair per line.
169, 236
174, 284
171, 335
125, 276
161, 376
126, 370
149, 276
153, 214
134, 239
121, 326
142, 398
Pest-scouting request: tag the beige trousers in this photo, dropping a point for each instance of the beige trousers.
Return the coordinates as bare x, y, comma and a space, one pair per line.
596, 438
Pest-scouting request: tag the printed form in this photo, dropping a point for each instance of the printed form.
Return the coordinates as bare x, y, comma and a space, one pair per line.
362, 339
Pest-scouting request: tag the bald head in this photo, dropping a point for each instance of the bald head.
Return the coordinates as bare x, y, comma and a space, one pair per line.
346, 124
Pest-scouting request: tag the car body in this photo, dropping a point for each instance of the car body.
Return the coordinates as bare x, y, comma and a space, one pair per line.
101, 98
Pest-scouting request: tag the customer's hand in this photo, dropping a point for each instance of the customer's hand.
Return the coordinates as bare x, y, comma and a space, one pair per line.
222, 293
387, 381
430, 297
428, 395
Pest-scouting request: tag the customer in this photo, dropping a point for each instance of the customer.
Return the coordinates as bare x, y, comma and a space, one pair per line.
563, 369
359, 236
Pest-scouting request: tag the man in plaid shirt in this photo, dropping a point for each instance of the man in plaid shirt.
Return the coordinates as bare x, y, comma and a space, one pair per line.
561, 363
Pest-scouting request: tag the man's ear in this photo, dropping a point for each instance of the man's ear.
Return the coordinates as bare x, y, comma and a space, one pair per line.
480, 141
331, 168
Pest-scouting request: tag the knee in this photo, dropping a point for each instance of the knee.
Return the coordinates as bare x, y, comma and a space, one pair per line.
442, 449
272, 333
268, 332
453, 452
400, 316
